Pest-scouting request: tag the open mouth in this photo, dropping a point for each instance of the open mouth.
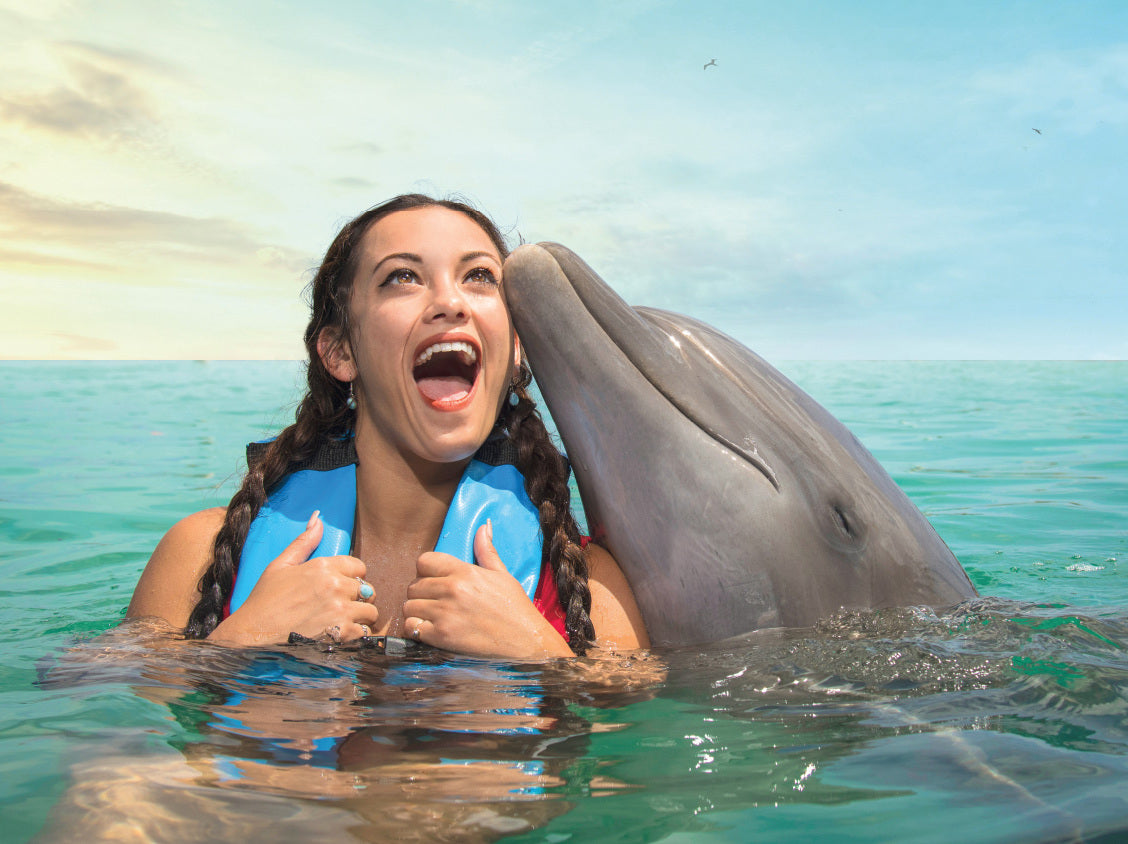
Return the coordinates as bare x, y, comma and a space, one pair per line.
446, 372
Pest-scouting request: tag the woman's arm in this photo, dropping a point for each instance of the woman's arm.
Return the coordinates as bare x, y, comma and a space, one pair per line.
169, 587
614, 613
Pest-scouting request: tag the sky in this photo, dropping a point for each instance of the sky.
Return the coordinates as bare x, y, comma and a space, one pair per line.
851, 180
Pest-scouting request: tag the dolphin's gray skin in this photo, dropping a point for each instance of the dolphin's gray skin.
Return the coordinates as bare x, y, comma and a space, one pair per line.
730, 498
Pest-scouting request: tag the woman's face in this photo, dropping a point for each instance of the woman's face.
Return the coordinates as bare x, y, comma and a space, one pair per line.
432, 347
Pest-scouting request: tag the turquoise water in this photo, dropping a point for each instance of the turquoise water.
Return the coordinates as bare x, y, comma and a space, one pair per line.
1001, 720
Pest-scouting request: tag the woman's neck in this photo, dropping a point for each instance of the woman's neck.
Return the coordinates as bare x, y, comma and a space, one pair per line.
401, 502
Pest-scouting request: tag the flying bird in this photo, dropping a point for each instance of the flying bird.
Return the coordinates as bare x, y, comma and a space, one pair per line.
712, 63
1039, 131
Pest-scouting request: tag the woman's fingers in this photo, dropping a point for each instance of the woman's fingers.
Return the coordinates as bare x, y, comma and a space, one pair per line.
361, 622
304, 544
485, 554
348, 573
349, 567
365, 591
421, 608
437, 576
358, 589
417, 628
318, 597
437, 564
476, 609
364, 621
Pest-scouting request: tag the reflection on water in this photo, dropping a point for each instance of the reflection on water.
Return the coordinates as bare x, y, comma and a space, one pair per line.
1012, 712
423, 746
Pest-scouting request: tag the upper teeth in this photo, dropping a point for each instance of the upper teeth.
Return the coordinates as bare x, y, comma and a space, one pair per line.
468, 353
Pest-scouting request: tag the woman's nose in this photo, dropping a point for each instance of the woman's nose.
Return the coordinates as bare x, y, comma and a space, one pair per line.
448, 300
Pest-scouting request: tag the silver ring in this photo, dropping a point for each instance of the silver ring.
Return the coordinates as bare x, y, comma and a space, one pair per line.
415, 632
365, 631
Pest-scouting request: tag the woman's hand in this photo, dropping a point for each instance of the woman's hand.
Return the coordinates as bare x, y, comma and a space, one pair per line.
295, 594
480, 610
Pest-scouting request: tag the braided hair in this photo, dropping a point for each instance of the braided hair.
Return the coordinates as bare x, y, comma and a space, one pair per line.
323, 415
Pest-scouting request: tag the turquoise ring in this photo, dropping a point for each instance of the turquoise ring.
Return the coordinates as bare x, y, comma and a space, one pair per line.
366, 590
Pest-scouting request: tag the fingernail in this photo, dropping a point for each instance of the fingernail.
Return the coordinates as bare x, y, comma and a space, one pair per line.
489, 529
313, 520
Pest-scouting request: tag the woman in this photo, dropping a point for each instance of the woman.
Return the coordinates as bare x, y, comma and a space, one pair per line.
414, 371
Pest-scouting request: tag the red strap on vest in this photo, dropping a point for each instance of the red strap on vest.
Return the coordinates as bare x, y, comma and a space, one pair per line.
547, 601
547, 598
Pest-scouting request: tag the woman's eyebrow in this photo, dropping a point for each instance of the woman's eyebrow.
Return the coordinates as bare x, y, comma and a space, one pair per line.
474, 256
401, 256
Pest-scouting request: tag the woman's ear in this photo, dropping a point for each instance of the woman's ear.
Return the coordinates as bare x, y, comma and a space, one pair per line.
336, 353
516, 355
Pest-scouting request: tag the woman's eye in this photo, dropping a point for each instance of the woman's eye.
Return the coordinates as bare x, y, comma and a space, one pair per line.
482, 275
400, 277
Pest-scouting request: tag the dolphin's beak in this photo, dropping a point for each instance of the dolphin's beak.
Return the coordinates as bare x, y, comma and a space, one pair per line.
666, 349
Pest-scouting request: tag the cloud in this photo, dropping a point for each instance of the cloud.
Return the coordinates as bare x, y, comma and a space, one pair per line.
103, 280
121, 60
103, 95
79, 345
38, 259
78, 230
1074, 90
352, 183
284, 260
560, 43
363, 148
40, 10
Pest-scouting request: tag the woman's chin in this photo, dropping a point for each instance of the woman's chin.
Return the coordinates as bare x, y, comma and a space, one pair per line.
454, 436
451, 452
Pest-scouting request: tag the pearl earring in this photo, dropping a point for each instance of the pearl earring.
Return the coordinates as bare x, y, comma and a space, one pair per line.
350, 402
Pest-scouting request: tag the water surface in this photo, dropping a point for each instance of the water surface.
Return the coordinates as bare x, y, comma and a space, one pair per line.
1000, 720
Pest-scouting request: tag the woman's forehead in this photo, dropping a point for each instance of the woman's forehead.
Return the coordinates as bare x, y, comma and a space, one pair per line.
429, 232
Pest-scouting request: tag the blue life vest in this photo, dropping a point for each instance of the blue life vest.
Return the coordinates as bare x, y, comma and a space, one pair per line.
491, 488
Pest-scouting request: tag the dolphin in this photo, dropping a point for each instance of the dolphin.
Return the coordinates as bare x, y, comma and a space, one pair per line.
732, 501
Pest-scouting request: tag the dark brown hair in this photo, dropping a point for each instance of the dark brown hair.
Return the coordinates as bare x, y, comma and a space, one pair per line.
324, 415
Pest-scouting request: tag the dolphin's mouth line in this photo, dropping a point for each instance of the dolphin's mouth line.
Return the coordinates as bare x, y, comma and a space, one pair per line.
747, 449
624, 324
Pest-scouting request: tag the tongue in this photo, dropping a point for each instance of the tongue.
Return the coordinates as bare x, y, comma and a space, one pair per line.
446, 388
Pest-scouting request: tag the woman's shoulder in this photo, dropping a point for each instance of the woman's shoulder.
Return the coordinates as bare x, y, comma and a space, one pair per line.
614, 613
602, 566
192, 534
202, 521
169, 585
